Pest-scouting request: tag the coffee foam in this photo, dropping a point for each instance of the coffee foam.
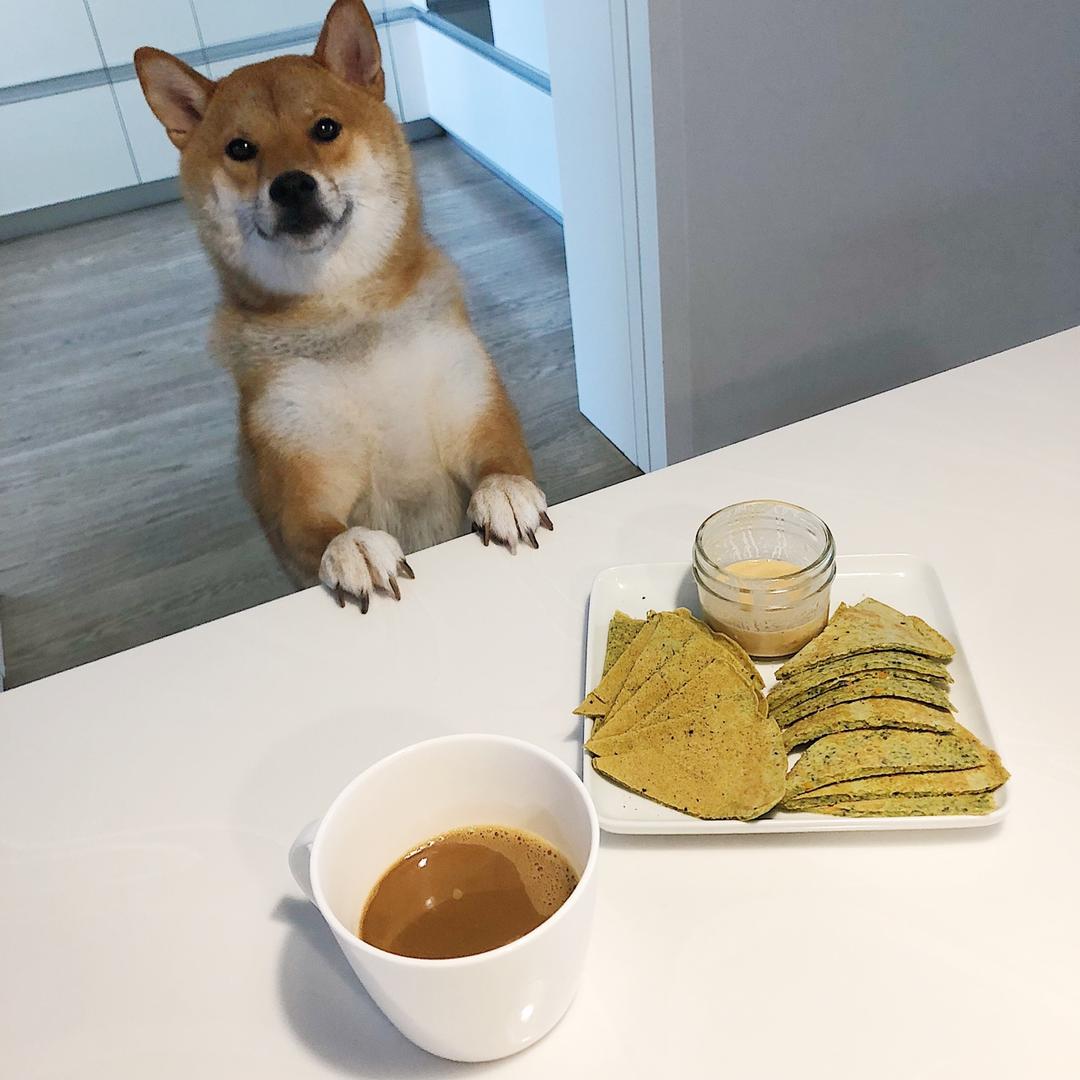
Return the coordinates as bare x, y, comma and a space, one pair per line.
547, 876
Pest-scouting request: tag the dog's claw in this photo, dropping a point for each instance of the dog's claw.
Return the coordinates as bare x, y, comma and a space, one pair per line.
339, 594
546, 521
508, 510
365, 602
406, 570
394, 588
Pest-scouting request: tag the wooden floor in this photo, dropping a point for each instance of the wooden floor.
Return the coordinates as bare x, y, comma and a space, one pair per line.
120, 516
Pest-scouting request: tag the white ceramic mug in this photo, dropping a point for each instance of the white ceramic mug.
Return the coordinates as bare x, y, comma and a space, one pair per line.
471, 1008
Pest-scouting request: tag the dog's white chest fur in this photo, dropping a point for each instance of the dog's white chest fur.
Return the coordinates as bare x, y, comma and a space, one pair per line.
380, 419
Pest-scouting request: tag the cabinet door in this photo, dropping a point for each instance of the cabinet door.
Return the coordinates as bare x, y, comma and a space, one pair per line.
518, 27
393, 98
81, 152
47, 39
408, 68
240, 19
124, 25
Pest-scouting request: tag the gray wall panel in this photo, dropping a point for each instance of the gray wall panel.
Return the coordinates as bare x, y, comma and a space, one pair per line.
873, 191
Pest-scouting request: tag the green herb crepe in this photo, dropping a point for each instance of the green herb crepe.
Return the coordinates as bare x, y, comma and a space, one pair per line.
974, 781
852, 755
869, 626
621, 632
598, 701
725, 760
863, 686
835, 673
880, 712
919, 806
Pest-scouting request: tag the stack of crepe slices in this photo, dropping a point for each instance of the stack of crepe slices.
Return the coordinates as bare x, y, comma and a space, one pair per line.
680, 717
868, 699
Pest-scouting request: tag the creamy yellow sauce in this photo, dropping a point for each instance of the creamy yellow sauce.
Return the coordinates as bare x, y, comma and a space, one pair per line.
761, 630
761, 568
785, 641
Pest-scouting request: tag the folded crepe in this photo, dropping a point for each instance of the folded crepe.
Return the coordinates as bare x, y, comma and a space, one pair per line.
919, 806
683, 666
860, 687
671, 634
598, 701
974, 781
724, 760
852, 755
828, 676
868, 713
717, 683
869, 626
622, 630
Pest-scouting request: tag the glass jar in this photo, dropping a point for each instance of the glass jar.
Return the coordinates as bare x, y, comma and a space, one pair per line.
763, 571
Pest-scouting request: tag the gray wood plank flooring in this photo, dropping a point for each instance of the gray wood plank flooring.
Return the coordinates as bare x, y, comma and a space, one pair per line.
120, 516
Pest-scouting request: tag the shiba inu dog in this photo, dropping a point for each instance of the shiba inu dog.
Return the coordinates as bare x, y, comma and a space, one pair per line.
372, 421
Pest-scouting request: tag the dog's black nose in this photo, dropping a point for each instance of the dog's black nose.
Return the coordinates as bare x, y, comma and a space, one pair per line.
293, 189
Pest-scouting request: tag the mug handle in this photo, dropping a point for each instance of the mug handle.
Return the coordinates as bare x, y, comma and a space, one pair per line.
300, 858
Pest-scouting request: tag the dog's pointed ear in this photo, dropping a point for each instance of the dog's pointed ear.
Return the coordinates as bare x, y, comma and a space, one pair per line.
349, 47
177, 94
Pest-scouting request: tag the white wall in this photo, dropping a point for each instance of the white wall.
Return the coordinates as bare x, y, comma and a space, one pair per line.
519, 29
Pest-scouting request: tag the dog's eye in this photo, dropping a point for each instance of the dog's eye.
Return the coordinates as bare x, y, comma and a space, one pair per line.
241, 150
326, 130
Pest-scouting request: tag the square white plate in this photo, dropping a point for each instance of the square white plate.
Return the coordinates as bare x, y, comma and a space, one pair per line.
903, 581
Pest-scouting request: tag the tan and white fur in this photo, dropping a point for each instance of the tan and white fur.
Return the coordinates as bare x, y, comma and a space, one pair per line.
372, 421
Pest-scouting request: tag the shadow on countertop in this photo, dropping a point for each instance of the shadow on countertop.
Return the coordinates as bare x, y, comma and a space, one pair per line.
332, 1013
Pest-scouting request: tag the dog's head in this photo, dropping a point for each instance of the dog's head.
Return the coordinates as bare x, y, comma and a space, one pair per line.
296, 170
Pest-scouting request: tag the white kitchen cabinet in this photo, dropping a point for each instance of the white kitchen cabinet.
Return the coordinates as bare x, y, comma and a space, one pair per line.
506, 119
518, 28
240, 19
408, 64
54, 38
124, 25
393, 97
84, 154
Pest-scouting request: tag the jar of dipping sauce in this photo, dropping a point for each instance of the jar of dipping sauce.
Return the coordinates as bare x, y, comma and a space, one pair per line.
763, 571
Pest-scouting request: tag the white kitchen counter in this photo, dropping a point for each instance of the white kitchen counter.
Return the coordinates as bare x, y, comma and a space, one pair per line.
150, 927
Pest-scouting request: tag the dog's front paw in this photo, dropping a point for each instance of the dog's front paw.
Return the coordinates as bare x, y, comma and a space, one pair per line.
358, 561
507, 509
